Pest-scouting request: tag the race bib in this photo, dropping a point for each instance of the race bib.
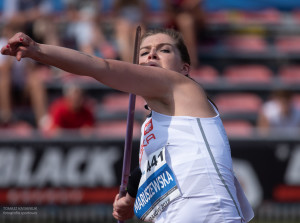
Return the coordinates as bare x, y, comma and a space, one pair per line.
157, 187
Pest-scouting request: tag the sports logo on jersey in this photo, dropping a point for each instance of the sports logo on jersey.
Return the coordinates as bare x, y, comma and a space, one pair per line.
148, 127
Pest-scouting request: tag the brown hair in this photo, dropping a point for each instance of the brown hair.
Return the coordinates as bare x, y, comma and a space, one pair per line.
184, 54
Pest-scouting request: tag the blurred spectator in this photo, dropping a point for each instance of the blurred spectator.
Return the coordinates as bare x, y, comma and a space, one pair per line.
26, 12
84, 29
129, 14
71, 112
188, 18
37, 18
279, 115
156, 13
21, 11
20, 81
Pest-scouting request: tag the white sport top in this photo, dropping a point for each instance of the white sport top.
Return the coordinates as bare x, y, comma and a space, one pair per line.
198, 152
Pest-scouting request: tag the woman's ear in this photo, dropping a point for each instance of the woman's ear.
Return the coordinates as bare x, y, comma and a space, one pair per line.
185, 69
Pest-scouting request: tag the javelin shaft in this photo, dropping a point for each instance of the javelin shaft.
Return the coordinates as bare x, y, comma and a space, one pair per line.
129, 128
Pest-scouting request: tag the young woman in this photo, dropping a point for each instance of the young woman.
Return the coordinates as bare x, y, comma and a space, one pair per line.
185, 160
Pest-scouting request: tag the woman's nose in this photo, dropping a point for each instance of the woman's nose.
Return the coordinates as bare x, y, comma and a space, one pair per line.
152, 55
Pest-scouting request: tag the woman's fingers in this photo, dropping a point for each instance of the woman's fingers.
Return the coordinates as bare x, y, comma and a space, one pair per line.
122, 210
17, 46
116, 197
19, 39
121, 217
19, 55
5, 50
17, 51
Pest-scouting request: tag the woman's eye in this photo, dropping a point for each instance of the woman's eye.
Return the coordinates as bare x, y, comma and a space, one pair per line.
144, 53
165, 51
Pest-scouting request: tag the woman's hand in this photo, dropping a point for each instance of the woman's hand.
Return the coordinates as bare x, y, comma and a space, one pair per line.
123, 207
20, 46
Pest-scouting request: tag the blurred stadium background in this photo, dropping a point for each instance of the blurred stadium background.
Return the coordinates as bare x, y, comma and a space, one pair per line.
249, 49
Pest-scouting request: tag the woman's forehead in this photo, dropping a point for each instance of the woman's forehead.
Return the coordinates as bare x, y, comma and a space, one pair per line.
157, 39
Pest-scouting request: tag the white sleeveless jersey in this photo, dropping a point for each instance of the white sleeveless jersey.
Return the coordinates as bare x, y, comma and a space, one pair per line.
198, 152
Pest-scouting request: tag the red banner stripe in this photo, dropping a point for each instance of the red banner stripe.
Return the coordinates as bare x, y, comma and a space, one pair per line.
57, 196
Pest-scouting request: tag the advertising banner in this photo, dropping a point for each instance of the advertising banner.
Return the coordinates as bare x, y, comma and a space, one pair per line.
89, 171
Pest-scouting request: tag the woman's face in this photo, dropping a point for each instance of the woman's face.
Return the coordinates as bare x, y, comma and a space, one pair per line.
159, 50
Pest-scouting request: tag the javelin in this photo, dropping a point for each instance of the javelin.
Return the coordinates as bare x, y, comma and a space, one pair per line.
129, 128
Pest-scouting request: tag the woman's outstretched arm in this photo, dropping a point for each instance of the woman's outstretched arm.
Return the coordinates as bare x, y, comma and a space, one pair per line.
163, 85
123, 76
